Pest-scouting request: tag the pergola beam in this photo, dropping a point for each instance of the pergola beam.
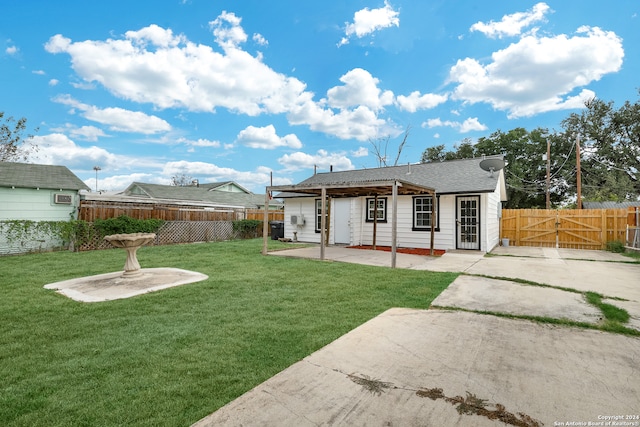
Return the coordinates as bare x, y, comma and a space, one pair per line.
355, 189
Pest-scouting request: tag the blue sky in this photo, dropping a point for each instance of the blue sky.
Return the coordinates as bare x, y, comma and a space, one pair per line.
234, 90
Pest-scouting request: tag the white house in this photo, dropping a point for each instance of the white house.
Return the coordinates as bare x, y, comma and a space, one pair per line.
36, 193
459, 198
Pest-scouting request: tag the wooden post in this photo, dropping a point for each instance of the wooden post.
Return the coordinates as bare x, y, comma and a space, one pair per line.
578, 176
326, 235
517, 242
433, 221
603, 228
265, 223
323, 219
375, 220
394, 223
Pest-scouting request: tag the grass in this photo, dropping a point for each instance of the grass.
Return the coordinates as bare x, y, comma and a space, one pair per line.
610, 312
169, 358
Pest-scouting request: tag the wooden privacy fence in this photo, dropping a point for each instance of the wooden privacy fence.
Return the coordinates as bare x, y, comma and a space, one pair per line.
570, 228
259, 214
90, 210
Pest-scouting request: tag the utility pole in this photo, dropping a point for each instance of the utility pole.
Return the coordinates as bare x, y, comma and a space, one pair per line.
578, 176
96, 168
548, 172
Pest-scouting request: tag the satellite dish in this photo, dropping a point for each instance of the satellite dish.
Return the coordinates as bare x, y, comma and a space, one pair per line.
492, 165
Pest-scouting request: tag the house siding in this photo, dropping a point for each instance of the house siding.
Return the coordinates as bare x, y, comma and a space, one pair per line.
33, 205
492, 214
36, 205
361, 232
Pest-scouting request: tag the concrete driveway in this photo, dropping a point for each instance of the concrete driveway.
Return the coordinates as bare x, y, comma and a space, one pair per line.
448, 367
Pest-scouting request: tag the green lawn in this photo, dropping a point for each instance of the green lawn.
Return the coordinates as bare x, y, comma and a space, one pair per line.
171, 357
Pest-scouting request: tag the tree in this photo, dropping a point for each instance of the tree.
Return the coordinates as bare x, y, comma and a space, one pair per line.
182, 180
463, 150
525, 173
380, 146
14, 145
610, 146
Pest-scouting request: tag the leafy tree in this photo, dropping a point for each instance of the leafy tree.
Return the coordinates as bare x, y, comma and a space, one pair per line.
610, 146
14, 145
525, 173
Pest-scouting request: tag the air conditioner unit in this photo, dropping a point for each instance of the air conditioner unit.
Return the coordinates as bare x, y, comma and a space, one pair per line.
63, 199
297, 220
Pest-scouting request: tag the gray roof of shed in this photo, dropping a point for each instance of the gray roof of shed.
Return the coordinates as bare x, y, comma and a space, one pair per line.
199, 194
450, 177
610, 205
26, 175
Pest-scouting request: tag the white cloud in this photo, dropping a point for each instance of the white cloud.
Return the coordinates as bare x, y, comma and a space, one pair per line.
118, 119
54, 82
322, 160
538, 74
259, 38
253, 180
11, 50
366, 21
58, 149
512, 25
469, 125
87, 133
360, 152
120, 182
415, 101
360, 88
266, 138
39, 72
155, 66
201, 142
227, 30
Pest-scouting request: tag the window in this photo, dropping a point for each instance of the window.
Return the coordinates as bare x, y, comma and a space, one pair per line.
380, 211
422, 206
319, 214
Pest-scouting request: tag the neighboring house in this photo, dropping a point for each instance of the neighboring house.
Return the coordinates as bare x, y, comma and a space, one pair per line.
467, 206
36, 193
222, 195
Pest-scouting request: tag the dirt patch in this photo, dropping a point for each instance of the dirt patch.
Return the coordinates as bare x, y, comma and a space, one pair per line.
411, 251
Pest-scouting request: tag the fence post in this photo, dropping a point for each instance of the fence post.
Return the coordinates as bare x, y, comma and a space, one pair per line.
517, 212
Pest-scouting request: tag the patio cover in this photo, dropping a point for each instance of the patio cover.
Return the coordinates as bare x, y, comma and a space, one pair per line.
353, 189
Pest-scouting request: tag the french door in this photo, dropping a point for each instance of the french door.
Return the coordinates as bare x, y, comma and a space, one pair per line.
468, 222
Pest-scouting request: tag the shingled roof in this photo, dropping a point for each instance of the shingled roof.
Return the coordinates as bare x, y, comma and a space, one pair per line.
196, 194
450, 177
26, 175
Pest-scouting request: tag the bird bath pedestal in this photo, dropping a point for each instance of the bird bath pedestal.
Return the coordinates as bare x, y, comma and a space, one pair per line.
131, 242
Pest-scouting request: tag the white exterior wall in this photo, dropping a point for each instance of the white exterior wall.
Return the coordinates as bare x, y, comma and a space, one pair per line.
304, 206
493, 213
362, 231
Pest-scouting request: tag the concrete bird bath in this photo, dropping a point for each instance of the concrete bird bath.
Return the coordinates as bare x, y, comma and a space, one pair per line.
131, 242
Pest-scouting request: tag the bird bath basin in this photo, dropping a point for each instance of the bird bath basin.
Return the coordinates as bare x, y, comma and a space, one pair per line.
131, 242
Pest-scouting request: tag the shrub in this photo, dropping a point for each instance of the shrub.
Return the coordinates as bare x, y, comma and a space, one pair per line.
615, 246
126, 224
247, 228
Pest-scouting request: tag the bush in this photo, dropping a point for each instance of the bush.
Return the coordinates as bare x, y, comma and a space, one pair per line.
615, 246
126, 224
247, 228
